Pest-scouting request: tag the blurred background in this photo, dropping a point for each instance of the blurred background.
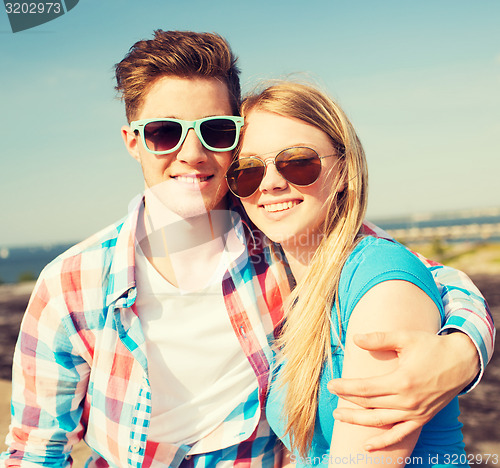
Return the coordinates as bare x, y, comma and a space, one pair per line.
420, 81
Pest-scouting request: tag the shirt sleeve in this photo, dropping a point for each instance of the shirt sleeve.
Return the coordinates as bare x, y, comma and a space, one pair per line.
466, 310
49, 384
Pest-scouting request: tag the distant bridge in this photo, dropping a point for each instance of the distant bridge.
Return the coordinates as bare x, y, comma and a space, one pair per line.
474, 231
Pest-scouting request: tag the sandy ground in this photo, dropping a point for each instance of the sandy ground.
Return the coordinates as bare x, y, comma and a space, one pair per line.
480, 409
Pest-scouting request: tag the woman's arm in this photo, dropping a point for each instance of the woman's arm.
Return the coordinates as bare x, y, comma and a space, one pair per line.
466, 311
427, 378
407, 395
389, 306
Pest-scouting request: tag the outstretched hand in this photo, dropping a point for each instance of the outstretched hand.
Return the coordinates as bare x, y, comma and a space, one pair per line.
432, 370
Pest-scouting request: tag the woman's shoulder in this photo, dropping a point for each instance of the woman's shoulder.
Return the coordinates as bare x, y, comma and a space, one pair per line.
372, 244
374, 254
376, 260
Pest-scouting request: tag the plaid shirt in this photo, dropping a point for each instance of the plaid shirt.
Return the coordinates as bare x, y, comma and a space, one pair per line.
80, 365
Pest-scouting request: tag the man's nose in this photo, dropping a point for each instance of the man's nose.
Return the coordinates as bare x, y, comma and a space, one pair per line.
192, 150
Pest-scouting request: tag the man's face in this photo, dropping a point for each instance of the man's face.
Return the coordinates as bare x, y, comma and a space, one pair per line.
189, 181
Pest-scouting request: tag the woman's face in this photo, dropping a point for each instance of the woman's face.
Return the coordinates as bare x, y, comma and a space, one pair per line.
286, 213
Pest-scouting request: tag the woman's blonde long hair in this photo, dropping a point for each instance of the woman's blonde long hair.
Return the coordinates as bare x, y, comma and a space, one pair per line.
305, 342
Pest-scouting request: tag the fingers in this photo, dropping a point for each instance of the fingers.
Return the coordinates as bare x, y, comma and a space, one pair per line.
391, 436
384, 402
363, 388
373, 418
379, 341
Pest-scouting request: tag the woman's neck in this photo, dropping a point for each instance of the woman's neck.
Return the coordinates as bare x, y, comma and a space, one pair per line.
299, 257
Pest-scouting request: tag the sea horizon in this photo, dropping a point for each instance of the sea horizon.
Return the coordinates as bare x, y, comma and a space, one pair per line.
20, 263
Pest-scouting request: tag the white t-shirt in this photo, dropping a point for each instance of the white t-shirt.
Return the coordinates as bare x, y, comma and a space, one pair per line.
197, 369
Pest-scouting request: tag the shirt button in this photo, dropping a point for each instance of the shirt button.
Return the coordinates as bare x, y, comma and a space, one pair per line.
188, 457
135, 448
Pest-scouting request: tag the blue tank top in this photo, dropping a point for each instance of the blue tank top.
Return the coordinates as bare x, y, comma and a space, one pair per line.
374, 261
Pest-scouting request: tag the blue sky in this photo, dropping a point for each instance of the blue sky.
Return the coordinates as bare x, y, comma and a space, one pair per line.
420, 81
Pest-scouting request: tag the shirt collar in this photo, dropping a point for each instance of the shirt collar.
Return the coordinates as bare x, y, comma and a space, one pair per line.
122, 284
122, 270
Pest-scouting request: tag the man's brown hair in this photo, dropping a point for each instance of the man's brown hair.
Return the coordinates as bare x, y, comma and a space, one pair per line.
175, 53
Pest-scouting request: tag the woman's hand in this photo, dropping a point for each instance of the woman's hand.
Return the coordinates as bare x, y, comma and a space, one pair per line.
432, 369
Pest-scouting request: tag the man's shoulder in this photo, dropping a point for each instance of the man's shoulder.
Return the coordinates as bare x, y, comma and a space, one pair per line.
102, 240
93, 253
371, 229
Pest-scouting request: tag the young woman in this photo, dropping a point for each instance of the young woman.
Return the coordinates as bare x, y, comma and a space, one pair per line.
301, 175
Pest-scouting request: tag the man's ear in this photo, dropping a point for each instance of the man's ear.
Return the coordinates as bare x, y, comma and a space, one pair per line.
131, 141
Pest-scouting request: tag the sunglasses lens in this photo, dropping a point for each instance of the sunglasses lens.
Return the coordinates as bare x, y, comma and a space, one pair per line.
162, 136
245, 175
299, 166
219, 133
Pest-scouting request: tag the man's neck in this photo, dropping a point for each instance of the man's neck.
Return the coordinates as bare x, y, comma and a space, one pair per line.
185, 251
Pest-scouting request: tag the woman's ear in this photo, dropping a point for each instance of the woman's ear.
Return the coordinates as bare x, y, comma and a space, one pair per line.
341, 175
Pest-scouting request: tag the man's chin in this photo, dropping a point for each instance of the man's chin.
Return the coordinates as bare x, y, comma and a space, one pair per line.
182, 203
188, 210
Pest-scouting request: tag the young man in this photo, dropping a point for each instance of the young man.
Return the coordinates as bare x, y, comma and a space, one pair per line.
130, 341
